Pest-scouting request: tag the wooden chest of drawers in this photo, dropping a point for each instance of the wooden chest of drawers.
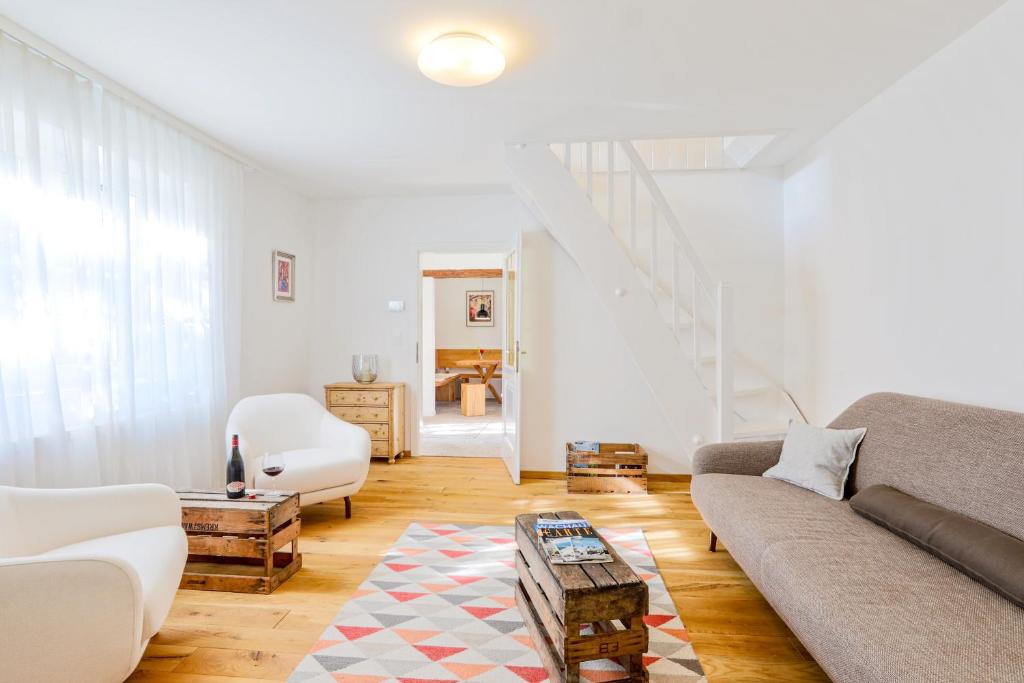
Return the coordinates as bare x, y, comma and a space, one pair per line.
379, 408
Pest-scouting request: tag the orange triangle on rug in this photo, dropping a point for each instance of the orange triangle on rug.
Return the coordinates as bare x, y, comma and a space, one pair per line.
456, 553
525, 640
439, 587
412, 636
467, 579
353, 678
322, 644
679, 633
467, 671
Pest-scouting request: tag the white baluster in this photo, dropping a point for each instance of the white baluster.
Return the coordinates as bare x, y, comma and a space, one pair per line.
723, 368
654, 251
632, 214
567, 157
611, 185
696, 323
675, 289
590, 171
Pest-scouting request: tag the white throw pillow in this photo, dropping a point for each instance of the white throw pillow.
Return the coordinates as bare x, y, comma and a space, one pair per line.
817, 458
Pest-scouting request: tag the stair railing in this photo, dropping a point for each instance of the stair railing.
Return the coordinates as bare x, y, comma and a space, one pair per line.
622, 189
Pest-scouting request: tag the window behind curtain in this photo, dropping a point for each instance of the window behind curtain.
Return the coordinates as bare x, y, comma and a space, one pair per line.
116, 263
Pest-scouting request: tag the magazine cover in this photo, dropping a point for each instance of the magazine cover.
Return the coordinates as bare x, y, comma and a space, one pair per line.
571, 541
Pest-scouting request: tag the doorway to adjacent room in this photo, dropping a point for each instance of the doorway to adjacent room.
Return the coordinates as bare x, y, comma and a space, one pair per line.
462, 334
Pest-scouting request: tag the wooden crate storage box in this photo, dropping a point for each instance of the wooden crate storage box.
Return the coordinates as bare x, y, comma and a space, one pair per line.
615, 468
234, 544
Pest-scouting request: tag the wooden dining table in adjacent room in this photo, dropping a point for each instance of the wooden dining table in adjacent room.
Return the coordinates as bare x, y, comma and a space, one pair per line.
485, 369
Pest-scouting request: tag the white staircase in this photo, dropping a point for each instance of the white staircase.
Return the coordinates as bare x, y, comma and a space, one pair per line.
600, 200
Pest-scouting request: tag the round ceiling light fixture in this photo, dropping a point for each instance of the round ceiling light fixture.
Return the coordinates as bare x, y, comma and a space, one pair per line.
461, 59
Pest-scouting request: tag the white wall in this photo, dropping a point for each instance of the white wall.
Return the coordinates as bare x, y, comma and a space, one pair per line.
367, 253
905, 233
450, 328
734, 219
274, 335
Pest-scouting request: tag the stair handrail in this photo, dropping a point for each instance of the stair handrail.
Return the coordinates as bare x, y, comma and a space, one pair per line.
640, 168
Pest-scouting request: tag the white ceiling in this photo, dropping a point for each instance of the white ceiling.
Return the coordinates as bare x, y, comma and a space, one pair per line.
326, 92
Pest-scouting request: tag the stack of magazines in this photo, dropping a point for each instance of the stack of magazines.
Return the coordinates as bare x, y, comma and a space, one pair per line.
571, 541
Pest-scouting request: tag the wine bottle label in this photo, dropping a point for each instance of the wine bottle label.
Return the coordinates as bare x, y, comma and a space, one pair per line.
236, 486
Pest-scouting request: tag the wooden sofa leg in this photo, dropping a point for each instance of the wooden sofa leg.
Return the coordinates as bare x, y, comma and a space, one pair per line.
348, 508
711, 546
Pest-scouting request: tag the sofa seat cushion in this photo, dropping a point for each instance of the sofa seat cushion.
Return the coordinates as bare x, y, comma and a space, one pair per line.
750, 513
158, 556
313, 469
873, 608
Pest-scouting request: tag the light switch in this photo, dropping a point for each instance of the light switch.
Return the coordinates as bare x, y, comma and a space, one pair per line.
396, 306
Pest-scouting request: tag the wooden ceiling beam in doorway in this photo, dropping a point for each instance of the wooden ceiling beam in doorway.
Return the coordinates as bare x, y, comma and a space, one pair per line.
465, 272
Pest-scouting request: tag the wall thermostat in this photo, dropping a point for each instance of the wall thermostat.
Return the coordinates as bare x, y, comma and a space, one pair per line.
396, 306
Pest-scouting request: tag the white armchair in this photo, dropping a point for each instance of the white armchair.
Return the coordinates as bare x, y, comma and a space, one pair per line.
324, 458
87, 577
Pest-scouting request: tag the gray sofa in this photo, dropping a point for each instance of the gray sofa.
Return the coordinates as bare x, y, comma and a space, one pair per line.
868, 605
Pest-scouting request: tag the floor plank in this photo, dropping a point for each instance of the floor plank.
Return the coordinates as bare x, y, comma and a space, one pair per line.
237, 638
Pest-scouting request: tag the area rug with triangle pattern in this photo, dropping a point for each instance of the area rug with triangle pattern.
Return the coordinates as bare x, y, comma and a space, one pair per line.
440, 607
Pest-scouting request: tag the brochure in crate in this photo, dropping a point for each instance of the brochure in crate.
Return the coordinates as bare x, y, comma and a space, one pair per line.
571, 541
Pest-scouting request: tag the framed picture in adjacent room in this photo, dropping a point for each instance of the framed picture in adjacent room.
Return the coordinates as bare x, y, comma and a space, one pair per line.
480, 308
284, 276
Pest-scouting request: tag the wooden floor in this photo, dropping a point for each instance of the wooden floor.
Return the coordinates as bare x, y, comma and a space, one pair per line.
232, 638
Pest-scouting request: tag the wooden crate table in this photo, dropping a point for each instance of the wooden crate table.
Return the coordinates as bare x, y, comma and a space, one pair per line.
233, 543
556, 600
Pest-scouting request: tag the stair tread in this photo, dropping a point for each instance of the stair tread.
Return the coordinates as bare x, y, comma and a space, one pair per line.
766, 427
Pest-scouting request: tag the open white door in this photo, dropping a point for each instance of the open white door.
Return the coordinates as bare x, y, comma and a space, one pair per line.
511, 379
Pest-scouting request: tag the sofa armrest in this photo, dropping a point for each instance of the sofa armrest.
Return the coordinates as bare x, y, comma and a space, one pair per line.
737, 457
51, 518
69, 618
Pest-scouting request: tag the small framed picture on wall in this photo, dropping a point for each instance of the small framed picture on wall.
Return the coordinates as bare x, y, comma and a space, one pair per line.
284, 276
480, 308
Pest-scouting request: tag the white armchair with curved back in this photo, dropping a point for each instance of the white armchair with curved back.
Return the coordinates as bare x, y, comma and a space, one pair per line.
324, 458
87, 577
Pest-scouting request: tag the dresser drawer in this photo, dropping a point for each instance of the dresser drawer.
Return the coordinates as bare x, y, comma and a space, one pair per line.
361, 413
377, 431
380, 448
358, 397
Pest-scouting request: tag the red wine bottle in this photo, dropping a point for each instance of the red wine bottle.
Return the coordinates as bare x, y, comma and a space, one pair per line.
236, 471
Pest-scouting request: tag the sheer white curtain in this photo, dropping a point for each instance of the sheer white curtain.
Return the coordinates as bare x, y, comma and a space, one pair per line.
118, 269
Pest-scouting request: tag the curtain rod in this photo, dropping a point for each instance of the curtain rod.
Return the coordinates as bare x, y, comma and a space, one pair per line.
54, 53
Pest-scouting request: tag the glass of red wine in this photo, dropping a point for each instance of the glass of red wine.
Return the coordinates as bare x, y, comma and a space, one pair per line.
273, 465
